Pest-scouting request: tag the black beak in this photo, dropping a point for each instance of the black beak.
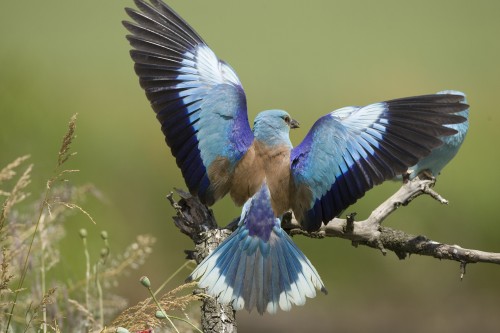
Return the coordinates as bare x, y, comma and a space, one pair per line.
294, 123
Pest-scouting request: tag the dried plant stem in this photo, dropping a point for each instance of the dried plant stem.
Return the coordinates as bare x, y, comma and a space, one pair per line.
63, 156
25, 265
28, 324
42, 272
99, 293
161, 308
113, 271
163, 286
187, 322
171, 277
15, 195
102, 261
165, 283
87, 274
8, 171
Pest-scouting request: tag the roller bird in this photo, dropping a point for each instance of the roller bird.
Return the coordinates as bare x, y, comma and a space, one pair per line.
433, 163
201, 106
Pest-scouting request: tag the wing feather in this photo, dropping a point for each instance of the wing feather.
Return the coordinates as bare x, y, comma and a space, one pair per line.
193, 93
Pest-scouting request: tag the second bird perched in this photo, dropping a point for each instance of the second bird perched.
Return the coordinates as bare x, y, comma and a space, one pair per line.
201, 105
433, 163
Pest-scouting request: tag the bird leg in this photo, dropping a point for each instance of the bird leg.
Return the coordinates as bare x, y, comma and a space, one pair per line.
406, 176
349, 224
233, 224
427, 174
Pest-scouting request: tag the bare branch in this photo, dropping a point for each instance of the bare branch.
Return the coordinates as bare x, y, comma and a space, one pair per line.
370, 232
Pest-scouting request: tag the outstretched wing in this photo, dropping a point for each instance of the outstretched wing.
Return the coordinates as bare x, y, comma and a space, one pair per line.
198, 98
352, 149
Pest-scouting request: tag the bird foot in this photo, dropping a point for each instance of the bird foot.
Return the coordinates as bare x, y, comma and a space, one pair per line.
349, 225
427, 174
233, 224
406, 176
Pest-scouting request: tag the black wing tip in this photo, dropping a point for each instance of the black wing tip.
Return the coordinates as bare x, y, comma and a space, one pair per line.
431, 98
131, 26
464, 106
446, 106
129, 10
140, 2
154, 9
151, 5
449, 131
451, 98
455, 119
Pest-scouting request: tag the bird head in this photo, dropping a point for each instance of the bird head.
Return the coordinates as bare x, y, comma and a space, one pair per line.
273, 127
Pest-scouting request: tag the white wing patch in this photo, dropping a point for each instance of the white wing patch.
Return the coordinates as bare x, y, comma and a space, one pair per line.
360, 118
209, 67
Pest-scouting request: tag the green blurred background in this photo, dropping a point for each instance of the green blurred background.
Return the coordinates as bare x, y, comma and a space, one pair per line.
62, 57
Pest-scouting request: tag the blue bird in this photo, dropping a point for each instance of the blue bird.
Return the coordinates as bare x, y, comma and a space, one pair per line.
432, 164
201, 106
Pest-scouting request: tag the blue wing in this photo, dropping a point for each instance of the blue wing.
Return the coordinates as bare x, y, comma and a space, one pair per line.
198, 99
258, 265
350, 150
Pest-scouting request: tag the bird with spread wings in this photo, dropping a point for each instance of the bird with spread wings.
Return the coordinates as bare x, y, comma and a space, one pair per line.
201, 106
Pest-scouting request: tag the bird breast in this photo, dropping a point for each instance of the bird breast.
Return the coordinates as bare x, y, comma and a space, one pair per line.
248, 177
260, 162
276, 164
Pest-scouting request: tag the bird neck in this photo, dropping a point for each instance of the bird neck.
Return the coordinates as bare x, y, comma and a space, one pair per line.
272, 137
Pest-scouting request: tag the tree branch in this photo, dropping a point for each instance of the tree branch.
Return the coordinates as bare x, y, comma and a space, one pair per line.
370, 232
197, 221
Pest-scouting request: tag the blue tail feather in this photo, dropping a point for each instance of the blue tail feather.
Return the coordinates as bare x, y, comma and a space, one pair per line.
259, 266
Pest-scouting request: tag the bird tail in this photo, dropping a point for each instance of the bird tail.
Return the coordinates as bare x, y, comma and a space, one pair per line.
258, 265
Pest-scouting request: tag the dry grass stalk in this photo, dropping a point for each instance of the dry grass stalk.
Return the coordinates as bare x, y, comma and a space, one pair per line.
29, 243
16, 195
9, 172
142, 315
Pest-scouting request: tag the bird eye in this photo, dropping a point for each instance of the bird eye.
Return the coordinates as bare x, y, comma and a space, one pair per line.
287, 119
